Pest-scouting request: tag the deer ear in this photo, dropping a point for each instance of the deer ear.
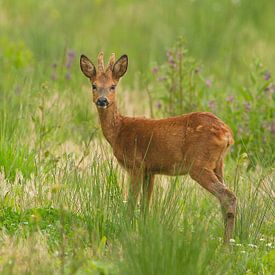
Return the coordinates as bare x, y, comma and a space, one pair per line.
87, 67
120, 67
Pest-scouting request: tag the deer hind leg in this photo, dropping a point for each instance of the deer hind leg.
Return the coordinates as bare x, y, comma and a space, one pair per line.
148, 185
219, 170
207, 179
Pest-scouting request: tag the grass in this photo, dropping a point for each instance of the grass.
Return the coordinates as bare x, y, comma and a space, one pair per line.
63, 205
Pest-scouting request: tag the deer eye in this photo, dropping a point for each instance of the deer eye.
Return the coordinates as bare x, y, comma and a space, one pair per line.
94, 86
113, 87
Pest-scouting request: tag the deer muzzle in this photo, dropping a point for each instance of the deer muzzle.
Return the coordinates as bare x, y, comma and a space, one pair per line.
102, 102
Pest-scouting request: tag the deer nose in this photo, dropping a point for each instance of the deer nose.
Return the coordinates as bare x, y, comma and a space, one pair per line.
102, 102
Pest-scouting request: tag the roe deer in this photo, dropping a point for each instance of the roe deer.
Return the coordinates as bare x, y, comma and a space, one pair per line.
194, 143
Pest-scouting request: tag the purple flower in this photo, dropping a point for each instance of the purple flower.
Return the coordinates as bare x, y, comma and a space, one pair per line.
71, 54
230, 98
158, 105
267, 75
172, 61
70, 58
208, 83
155, 70
212, 104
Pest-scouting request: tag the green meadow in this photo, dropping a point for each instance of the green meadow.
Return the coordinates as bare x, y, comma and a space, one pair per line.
63, 196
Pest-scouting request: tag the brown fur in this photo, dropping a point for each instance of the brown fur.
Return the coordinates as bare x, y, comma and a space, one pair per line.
194, 143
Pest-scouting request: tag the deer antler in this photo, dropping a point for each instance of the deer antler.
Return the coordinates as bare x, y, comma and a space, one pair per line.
100, 62
111, 62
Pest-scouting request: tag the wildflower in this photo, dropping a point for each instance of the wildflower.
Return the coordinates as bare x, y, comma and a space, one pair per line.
71, 54
208, 83
269, 245
230, 98
267, 75
70, 58
158, 105
212, 104
232, 241
243, 251
252, 245
155, 70
172, 62
238, 244
262, 239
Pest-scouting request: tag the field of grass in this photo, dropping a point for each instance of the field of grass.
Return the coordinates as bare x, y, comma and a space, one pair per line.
63, 196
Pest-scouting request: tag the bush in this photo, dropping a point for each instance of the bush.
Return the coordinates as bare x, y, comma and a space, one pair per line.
180, 86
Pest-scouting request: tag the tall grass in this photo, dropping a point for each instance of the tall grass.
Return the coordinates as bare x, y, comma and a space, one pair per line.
85, 221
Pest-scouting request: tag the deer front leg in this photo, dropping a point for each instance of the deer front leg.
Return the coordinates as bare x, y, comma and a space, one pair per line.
136, 179
207, 179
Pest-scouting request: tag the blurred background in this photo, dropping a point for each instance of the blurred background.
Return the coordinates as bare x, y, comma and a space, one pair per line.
224, 35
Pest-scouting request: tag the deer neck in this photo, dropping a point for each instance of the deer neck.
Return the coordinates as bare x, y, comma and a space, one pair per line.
110, 120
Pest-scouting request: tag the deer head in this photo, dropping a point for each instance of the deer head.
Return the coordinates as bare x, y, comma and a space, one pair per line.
104, 81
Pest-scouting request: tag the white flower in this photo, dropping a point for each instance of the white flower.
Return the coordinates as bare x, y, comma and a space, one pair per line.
262, 239
238, 244
252, 245
243, 252
232, 241
268, 245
